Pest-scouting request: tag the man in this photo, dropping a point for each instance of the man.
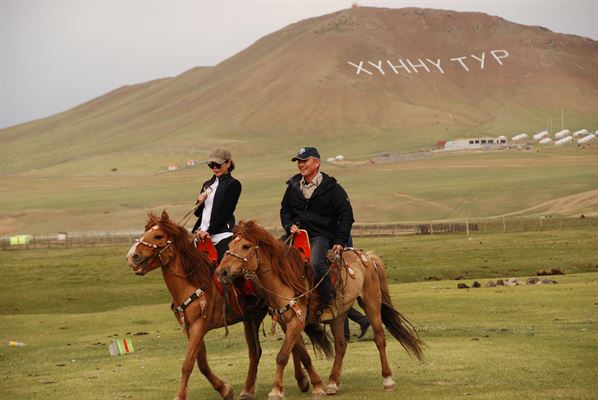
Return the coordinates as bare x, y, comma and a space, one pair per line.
314, 201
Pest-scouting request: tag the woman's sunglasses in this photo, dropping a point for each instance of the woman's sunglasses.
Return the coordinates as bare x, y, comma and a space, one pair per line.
212, 165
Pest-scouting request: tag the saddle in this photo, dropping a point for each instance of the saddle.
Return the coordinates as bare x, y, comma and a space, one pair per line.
301, 243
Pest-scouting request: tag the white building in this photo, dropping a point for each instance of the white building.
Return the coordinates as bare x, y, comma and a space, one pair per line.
485, 143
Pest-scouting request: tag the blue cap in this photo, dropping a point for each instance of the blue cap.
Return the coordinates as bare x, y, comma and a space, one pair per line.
306, 152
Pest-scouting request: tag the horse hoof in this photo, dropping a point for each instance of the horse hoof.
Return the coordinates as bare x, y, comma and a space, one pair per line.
227, 392
318, 394
303, 384
389, 384
275, 396
331, 389
246, 396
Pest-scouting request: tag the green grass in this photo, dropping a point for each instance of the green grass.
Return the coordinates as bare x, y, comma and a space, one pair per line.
533, 342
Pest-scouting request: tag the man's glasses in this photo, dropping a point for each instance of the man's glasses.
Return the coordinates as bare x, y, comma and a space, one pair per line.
212, 165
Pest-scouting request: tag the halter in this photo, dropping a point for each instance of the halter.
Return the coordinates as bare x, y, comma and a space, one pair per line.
246, 259
157, 254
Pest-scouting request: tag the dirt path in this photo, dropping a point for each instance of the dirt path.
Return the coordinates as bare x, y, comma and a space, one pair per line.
562, 205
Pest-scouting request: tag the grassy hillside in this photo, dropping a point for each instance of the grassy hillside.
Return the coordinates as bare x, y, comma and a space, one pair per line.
444, 186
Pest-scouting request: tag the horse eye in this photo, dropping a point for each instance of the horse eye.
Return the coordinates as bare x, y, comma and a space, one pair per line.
246, 247
159, 237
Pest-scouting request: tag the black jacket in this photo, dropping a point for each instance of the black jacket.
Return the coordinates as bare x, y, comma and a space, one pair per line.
327, 213
225, 200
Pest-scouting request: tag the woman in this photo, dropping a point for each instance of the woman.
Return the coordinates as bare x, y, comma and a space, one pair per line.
219, 196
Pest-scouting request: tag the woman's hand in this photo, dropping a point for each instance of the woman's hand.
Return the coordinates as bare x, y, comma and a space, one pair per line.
202, 235
202, 197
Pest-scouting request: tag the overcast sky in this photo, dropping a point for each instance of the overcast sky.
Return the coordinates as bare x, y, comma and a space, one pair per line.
55, 55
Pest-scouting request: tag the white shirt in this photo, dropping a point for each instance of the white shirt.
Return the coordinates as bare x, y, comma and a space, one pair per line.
206, 214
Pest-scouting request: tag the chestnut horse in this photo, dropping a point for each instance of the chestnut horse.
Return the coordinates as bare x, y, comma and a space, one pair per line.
281, 275
198, 303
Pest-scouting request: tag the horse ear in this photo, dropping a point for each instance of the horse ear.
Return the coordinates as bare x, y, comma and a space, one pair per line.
165, 216
152, 219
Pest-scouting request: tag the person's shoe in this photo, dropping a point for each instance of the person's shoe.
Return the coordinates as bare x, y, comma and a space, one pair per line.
364, 328
327, 315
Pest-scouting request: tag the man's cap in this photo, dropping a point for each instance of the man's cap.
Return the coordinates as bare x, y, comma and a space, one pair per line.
219, 156
306, 152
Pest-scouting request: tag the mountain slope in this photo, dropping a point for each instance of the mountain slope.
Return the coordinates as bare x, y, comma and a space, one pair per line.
298, 85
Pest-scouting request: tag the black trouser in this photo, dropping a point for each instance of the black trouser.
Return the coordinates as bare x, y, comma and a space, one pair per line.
319, 247
222, 246
354, 316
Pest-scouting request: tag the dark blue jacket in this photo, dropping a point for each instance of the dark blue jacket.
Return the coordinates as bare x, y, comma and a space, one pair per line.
327, 213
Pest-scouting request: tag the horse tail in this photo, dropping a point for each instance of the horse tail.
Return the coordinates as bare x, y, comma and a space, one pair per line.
320, 339
396, 323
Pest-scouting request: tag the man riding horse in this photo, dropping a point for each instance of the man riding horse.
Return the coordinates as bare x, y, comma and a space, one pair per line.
317, 203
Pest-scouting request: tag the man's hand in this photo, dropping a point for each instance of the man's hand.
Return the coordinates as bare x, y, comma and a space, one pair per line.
337, 248
202, 235
294, 229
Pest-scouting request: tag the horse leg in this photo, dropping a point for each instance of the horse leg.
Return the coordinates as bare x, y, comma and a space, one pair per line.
340, 347
292, 332
372, 308
301, 356
223, 388
255, 352
195, 336
302, 381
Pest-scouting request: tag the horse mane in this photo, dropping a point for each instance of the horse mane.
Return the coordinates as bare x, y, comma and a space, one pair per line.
285, 263
194, 262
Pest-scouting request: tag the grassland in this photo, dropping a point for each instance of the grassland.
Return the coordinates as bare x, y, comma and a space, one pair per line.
446, 186
534, 342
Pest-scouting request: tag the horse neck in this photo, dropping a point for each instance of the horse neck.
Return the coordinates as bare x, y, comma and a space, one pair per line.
178, 285
273, 284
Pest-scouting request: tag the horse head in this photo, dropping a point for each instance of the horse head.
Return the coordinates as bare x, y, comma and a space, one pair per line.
155, 247
242, 256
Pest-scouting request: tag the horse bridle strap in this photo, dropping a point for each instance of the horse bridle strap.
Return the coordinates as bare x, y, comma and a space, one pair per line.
155, 246
244, 259
203, 304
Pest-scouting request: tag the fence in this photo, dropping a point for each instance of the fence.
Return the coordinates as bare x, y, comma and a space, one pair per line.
494, 225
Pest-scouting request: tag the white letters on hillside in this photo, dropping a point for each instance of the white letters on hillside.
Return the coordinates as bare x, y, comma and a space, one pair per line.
416, 66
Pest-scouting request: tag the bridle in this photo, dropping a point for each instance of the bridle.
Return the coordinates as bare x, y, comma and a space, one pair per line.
246, 259
159, 249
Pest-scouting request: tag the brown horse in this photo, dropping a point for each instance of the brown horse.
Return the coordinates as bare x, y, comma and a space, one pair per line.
282, 277
281, 274
198, 303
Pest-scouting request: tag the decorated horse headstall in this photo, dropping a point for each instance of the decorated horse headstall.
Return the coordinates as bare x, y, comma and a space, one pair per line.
159, 249
247, 258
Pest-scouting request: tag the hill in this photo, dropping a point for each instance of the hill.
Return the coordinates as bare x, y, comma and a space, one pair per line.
357, 82
456, 73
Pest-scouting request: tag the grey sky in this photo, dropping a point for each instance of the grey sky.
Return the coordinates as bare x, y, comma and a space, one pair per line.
55, 55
